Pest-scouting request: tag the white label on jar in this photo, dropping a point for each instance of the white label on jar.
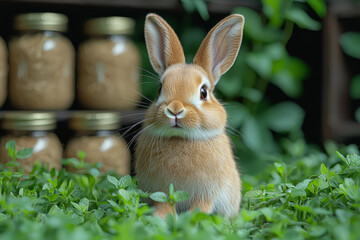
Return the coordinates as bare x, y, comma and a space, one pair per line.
48, 45
22, 70
107, 144
40, 145
119, 46
100, 71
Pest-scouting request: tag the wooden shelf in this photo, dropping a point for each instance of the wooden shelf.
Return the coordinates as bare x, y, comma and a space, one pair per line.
128, 117
337, 117
214, 6
344, 9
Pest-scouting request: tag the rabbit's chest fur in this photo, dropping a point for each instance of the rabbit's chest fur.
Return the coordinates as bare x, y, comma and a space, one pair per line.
201, 168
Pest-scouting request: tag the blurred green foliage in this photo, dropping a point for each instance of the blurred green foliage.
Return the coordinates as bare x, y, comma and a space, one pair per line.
263, 61
350, 43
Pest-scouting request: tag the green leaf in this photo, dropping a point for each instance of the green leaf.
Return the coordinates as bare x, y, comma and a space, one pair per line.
77, 206
322, 211
288, 74
276, 51
357, 114
253, 23
171, 189
323, 169
303, 184
81, 155
355, 87
317, 231
286, 82
254, 27
199, 5
113, 180
159, 197
252, 94
75, 219
124, 195
273, 9
52, 197
180, 196
125, 181
295, 193
319, 6
284, 117
71, 162
280, 169
320, 182
84, 204
11, 145
63, 189
94, 172
237, 112
302, 19
21, 192
353, 160
261, 63
351, 189
114, 204
230, 86
24, 153
344, 215
55, 210
254, 194
342, 158
256, 136
98, 214
350, 43
268, 213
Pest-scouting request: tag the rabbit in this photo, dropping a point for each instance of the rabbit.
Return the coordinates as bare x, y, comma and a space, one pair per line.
183, 139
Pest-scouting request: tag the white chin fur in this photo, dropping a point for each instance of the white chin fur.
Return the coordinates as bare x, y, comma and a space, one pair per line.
186, 133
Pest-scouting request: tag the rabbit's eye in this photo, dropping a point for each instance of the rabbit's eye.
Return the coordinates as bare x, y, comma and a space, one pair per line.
203, 93
159, 90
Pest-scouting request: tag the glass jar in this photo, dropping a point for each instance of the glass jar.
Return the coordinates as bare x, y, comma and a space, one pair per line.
32, 130
108, 65
96, 135
3, 71
41, 63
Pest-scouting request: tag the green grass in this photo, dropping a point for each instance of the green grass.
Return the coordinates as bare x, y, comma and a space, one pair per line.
300, 196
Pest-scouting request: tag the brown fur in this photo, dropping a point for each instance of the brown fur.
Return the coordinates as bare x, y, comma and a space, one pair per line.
197, 156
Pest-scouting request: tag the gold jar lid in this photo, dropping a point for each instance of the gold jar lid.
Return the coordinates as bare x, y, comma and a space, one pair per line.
109, 26
29, 121
41, 21
91, 120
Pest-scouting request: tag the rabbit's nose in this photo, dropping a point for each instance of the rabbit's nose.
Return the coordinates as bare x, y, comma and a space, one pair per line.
175, 110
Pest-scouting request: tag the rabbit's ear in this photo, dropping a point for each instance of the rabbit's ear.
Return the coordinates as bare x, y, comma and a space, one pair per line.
163, 45
220, 47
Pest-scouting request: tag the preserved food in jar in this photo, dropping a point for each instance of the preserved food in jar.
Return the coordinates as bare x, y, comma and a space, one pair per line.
32, 130
96, 135
41, 61
108, 65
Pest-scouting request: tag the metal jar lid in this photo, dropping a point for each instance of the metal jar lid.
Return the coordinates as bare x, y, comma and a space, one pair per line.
91, 120
28, 121
109, 26
41, 21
